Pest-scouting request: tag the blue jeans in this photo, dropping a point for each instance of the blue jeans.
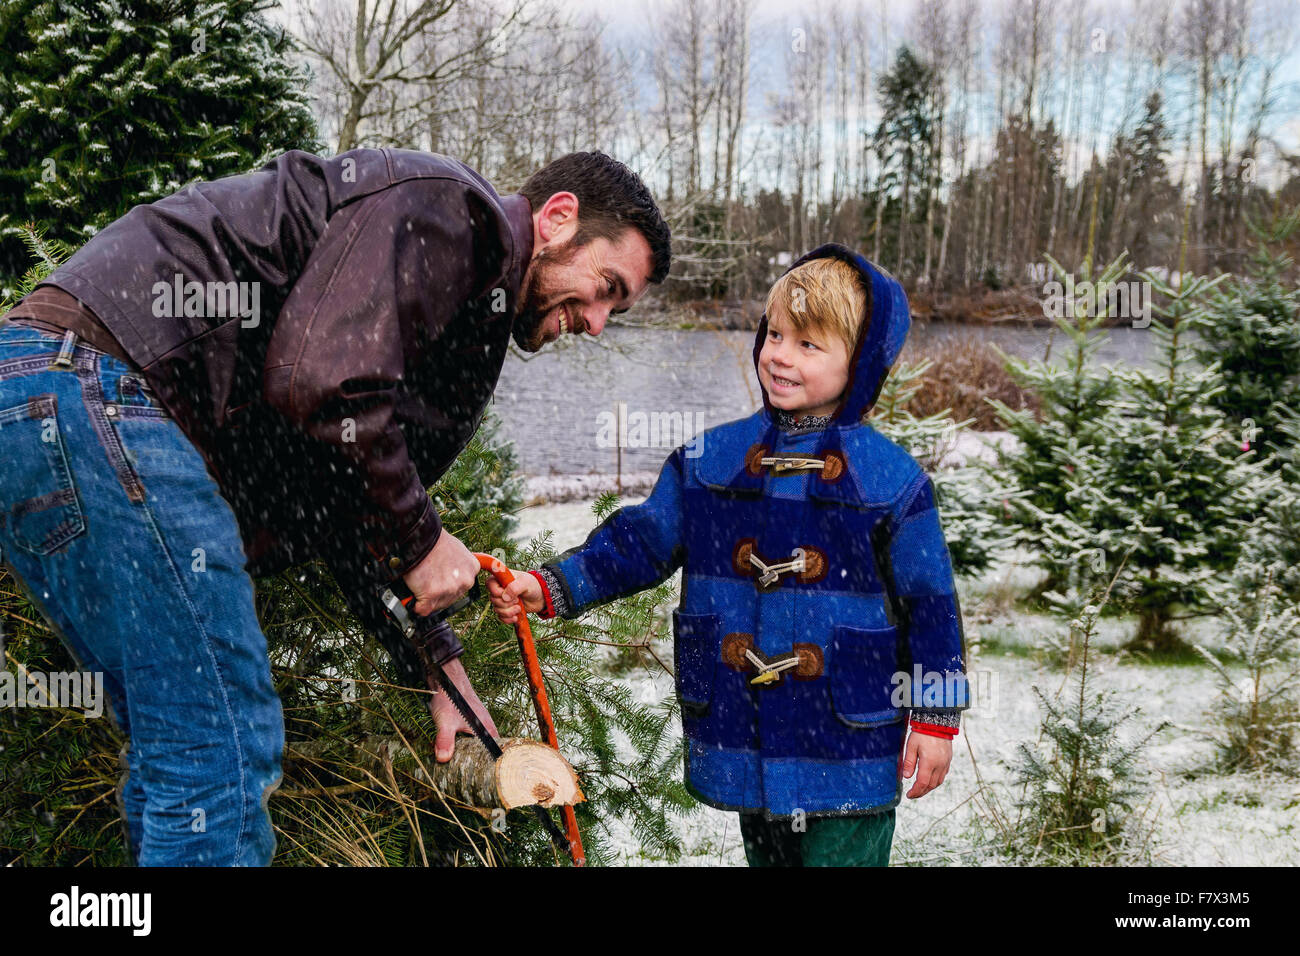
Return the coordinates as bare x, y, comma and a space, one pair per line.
110, 520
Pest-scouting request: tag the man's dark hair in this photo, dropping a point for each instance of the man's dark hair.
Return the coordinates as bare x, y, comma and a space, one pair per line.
610, 199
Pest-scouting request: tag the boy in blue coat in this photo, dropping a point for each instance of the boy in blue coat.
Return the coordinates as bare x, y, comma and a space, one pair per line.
818, 615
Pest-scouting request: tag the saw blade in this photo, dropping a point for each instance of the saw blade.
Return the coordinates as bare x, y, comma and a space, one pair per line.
410, 627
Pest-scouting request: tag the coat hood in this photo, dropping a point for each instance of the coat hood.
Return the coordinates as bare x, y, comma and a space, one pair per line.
880, 336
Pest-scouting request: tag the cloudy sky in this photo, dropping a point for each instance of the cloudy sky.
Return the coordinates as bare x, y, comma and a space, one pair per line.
1277, 22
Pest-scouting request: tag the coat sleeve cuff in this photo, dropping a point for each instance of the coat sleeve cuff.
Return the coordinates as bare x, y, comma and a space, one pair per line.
560, 595
414, 546
547, 612
934, 730
442, 645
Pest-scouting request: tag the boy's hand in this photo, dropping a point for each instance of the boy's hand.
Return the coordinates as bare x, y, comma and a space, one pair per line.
930, 757
505, 601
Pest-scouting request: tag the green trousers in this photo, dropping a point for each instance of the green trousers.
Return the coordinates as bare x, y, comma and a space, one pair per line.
824, 841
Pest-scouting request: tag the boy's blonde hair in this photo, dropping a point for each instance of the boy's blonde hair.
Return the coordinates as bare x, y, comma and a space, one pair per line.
824, 295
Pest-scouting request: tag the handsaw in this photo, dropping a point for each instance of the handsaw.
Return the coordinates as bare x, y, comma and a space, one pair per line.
537, 688
395, 597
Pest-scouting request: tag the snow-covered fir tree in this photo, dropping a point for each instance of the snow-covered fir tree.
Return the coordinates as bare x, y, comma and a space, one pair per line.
969, 499
1082, 784
105, 104
1251, 327
1176, 492
1257, 668
1054, 465
1273, 541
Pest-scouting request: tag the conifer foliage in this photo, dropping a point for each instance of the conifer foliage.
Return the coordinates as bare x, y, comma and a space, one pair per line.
1251, 328
970, 499
1180, 491
1054, 468
105, 104
1083, 784
1273, 541
1134, 475
1257, 669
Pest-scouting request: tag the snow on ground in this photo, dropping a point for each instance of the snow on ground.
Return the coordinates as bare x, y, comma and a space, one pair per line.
968, 445
549, 489
1199, 818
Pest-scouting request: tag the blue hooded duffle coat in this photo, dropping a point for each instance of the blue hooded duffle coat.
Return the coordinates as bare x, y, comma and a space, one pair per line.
868, 608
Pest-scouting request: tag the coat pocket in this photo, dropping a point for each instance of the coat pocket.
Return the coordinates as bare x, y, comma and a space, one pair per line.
862, 667
697, 648
38, 498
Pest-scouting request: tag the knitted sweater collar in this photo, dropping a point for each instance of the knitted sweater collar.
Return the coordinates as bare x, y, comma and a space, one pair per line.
786, 421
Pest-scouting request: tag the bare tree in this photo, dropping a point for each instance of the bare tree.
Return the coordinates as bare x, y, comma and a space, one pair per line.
376, 53
965, 28
1203, 29
931, 27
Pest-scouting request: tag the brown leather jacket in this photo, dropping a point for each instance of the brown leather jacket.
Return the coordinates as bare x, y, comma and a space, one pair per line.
378, 336
352, 358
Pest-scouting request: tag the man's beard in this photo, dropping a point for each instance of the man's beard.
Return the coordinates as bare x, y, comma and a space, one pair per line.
527, 329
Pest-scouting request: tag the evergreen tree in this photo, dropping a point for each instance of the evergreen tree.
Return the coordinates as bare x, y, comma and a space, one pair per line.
1139, 204
1257, 706
1054, 466
1180, 493
1252, 329
903, 143
1273, 542
1081, 788
105, 104
1021, 148
49, 255
969, 499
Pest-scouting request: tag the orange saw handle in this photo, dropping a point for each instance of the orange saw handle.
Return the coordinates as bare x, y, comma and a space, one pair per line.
537, 688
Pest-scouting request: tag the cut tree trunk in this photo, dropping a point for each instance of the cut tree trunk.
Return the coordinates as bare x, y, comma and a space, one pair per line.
529, 772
